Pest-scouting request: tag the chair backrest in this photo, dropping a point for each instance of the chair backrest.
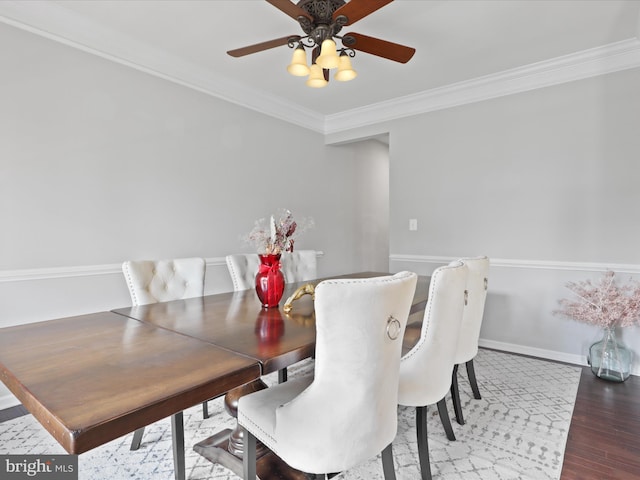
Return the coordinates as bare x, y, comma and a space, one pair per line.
425, 370
477, 284
152, 281
353, 396
242, 269
296, 266
299, 265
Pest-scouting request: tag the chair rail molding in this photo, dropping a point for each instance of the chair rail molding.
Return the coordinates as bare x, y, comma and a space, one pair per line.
86, 270
526, 264
76, 271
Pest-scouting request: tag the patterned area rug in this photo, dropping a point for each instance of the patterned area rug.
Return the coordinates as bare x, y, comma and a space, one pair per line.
518, 430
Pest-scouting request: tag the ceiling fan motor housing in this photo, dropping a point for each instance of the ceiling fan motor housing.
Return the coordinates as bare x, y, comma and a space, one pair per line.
322, 26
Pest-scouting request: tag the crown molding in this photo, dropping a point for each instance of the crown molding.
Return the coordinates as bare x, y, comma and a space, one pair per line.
601, 60
56, 23
65, 26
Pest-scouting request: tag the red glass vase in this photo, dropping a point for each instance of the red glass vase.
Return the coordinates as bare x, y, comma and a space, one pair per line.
269, 281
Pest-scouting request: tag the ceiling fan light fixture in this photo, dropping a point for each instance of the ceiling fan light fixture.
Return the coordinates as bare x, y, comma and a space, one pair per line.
316, 77
345, 70
328, 55
322, 21
298, 66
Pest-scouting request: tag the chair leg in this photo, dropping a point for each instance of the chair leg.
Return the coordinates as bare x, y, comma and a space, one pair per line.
249, 457
205, 410
387, 463
455, 396
423, 442
137, 439
444, 418
177, 440
472, 380
282, 375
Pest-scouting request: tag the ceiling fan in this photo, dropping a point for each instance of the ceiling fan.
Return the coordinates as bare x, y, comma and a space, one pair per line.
322, 21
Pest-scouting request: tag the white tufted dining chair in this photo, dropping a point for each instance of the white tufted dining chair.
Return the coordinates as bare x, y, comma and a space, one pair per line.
299, 265
152, 281
242, 269
477, 284
346, 412
425, 370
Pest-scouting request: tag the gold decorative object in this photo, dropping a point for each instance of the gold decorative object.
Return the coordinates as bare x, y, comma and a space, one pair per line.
306, 289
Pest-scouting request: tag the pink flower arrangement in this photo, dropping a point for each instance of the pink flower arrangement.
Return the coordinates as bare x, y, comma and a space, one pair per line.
604, 303
277, 235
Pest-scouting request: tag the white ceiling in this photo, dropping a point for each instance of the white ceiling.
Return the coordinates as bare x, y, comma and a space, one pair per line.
456, 41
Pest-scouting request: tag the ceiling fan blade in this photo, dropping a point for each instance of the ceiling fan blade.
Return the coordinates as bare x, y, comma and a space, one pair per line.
259, 47
357, 9
291, 9
381, 48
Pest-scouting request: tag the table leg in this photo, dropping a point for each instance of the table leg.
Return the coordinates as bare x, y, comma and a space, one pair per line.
177, 434
227, 447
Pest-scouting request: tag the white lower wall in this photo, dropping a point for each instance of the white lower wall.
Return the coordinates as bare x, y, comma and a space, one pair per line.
520, 303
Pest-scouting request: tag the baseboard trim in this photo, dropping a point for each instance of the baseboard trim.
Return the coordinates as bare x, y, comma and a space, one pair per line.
579, 360
527, 264
534, 352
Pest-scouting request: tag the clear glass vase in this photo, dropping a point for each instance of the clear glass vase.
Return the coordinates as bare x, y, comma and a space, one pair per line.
610, 359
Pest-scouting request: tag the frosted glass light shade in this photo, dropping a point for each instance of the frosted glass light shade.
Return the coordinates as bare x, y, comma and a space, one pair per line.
298, 66
345, 71
328, 56
316, 77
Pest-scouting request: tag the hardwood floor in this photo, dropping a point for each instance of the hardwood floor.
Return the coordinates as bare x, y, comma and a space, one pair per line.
604, 437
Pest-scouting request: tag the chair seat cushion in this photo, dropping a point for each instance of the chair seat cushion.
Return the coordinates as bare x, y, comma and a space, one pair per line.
257, 412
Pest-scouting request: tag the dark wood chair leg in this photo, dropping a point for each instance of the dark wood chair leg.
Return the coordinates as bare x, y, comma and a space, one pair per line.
205, 410
137, 439
387, 463
249, 457
423, 442
455, 396
177, 435
472, 380
444, 418
282, 375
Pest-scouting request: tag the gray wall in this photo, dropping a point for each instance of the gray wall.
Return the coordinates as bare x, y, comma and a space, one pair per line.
543, 182
100, 163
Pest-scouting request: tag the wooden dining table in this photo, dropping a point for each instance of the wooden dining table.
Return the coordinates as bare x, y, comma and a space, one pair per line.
276, 339
92, 378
